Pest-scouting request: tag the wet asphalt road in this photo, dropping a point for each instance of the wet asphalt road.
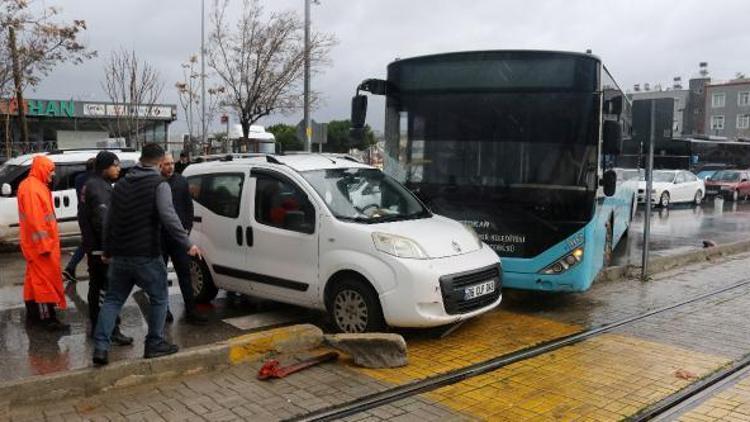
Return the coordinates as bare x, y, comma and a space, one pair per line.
27, 351
685, 227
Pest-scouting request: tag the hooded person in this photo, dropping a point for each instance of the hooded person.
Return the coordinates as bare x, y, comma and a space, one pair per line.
40, 244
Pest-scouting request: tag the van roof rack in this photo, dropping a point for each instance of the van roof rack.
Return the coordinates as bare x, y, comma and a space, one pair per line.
64, 150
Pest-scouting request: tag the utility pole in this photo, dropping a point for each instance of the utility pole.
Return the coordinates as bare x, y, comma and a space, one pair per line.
649, 186
203, 72
18, 85
308, 129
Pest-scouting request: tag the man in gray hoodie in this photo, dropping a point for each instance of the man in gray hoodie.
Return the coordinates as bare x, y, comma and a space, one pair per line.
141, 205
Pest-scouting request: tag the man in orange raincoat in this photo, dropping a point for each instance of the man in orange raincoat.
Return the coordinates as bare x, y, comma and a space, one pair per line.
40, 244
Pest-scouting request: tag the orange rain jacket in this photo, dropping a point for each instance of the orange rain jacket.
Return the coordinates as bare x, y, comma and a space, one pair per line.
40, 242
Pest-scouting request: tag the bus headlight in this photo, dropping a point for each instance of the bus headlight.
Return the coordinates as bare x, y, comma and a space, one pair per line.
565, 263
401, 247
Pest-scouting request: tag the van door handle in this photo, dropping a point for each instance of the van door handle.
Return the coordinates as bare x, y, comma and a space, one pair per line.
197, 219
238, 235
57, 202
66, 201
249, 236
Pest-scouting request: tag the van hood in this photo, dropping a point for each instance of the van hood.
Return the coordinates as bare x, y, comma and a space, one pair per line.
439, 237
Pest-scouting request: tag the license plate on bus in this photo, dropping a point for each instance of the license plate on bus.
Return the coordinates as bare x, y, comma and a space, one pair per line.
478, 290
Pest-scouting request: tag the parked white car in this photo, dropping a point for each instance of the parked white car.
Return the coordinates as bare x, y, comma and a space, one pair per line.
330, 233
673, 186
68, 165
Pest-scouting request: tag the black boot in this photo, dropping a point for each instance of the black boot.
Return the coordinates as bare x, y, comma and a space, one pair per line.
54, 325
100, 357
120, 339
160, 349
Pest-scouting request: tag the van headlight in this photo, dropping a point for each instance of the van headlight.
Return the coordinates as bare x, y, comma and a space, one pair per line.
399, 246
565, 263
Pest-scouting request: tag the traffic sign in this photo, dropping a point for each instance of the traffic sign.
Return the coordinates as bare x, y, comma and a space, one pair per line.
318, 132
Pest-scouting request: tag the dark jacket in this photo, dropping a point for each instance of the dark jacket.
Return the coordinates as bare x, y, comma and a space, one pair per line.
141, 205
183, 202
95, 199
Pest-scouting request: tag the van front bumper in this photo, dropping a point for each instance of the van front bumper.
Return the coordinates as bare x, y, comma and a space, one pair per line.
430, 292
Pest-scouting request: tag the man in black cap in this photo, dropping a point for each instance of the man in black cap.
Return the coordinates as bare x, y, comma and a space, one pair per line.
95, 197
141, 205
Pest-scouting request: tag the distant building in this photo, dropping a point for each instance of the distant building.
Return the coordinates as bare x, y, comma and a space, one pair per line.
676, 92
727, 108
68, 124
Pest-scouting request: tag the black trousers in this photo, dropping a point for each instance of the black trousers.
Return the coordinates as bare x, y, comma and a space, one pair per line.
98, 284
181, 264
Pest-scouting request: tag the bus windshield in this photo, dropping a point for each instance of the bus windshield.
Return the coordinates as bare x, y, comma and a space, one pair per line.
506, 142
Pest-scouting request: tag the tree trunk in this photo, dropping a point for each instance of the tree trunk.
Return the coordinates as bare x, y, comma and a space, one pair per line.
18, 85
245, 133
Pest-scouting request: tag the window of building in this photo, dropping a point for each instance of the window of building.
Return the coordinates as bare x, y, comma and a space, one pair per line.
280, 203
743, 121
718, 100
717, 122
743, 98
220, 193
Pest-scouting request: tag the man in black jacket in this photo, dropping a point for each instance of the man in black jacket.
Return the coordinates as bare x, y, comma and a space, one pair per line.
183, 205
95, 198
141, 205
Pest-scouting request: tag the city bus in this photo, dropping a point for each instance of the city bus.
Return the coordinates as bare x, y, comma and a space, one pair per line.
517, 145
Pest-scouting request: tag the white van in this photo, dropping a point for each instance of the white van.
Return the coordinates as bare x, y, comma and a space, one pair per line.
68, 165
330, 233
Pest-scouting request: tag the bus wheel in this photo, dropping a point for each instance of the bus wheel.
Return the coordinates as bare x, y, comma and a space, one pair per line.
608, 244
664, 200
698, 198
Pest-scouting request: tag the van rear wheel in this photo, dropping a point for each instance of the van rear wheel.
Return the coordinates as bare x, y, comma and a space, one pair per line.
204, 289
354, 308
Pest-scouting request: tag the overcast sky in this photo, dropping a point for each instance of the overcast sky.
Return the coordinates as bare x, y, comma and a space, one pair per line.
639, 41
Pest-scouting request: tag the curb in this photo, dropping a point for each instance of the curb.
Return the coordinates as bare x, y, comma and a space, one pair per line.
127, 373
664, 263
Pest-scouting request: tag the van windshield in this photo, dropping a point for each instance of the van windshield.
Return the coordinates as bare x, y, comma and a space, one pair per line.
365, 195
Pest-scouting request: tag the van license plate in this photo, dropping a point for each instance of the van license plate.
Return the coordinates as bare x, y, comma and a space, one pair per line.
478, 290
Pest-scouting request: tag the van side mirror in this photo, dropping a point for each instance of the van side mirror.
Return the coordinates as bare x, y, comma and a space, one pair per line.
612, 137
7, 190
609, 182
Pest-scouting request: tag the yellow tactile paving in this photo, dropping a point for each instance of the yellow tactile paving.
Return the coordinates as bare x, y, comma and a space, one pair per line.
490, 335
732, 404
601, 379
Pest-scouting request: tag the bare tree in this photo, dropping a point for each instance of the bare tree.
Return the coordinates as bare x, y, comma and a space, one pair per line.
134, 86
189, 96
36, 43
261, 59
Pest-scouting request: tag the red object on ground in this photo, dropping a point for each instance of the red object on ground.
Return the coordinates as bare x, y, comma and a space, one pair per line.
273, 369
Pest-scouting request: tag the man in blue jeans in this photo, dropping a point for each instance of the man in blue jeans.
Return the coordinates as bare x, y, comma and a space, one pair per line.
141, 205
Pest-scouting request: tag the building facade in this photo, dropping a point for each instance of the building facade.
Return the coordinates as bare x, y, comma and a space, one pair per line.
727, 108
67, 124
680, 97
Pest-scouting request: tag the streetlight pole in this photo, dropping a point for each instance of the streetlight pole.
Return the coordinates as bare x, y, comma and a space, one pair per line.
308, 129
203, 72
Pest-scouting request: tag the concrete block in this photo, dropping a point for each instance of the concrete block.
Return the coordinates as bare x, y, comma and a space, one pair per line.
372, 350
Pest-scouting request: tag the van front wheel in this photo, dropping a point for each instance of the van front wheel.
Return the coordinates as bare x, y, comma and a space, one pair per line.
354, 308
204, 289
